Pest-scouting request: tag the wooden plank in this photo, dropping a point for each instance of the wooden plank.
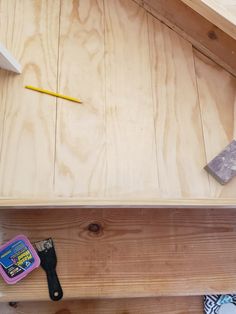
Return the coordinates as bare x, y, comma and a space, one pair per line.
180, 149
224, 203
8, 62
80, 151
208, 38
217, 95
136, 253
131, 144
220, 12
190, 305
27, 155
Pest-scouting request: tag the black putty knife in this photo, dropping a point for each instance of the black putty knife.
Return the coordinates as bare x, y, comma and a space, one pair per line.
47, 254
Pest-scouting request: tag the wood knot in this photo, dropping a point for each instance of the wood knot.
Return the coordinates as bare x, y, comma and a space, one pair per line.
212, 35
13, 304
94, 227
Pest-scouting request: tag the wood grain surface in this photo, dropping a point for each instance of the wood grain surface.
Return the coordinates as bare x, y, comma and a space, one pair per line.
136, 252
138, 138
223, 203
217, 96
28, 118
180, 305
220, 12
131, 142
177, 115
80, 146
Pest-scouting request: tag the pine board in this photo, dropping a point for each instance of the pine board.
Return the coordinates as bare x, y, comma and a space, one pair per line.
180, 305
220, 12
137, 253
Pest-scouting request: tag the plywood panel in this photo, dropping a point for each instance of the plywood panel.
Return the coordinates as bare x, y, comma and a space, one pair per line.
220, 12
131, 143
180, 144
137, 139
217, 95
81, 152
180, 305
136, 253
27, 154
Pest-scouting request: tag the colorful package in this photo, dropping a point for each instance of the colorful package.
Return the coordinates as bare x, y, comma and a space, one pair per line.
17, 259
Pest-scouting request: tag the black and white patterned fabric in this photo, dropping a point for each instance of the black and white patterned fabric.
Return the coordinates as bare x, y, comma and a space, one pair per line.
212, 303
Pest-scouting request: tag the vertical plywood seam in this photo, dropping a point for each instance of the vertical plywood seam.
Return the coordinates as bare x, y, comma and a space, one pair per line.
201, 115
57, 88
153, 104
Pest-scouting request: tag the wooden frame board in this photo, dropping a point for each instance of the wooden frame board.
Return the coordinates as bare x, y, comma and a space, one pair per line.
133, 253
219, 12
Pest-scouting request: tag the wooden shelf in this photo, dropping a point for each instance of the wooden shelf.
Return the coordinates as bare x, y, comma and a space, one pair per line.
137, 253
189, 305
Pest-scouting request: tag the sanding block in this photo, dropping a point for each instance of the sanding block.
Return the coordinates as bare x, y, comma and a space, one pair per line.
223, 166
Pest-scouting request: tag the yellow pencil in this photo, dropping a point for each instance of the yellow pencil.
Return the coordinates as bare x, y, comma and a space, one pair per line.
52, 93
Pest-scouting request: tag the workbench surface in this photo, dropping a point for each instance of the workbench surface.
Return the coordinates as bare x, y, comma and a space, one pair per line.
133, 253
154, 110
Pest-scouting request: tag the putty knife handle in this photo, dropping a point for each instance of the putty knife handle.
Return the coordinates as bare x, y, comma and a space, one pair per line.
54, 287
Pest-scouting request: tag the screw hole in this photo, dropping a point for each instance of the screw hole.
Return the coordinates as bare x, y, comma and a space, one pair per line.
212, 35
56, 294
